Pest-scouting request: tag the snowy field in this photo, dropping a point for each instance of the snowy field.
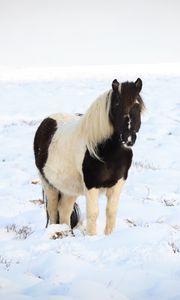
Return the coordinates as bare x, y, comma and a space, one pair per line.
141, 259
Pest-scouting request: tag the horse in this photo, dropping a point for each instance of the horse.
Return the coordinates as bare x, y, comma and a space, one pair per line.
87, 154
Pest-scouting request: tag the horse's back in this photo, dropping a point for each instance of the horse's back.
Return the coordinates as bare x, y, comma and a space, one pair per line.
63, 118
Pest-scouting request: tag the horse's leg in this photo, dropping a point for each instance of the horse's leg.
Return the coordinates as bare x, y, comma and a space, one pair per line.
65, 208
92, 210
112, 205
52, 197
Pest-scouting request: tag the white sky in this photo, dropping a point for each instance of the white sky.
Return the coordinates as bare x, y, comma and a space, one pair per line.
90, 32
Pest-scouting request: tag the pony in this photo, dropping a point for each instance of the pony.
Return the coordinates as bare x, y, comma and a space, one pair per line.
86, 154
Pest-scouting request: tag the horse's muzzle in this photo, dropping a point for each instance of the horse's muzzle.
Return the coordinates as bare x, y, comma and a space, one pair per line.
129, 139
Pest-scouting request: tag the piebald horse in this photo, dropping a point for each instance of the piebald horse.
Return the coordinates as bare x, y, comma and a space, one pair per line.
82, 155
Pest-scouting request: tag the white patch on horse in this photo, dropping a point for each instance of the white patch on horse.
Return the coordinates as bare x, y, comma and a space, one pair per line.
129, 122
68, 168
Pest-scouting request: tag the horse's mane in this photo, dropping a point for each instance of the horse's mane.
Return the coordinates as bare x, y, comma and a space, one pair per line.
95, 126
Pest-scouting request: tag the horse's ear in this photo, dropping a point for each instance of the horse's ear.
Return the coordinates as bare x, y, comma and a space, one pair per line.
115, 85
138, 84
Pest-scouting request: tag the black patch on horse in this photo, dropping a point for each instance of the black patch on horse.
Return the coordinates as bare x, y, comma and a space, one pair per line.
115, 163
75, 216
42, 140
135, 115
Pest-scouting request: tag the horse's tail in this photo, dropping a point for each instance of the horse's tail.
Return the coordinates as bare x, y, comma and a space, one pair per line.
75, 216
45, 201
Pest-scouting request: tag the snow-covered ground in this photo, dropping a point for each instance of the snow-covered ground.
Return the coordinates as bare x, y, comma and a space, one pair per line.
141, 259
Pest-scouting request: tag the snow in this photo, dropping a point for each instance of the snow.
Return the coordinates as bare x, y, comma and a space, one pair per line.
141, 259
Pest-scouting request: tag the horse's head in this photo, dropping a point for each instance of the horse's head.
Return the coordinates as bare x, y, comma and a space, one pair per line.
125, 110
